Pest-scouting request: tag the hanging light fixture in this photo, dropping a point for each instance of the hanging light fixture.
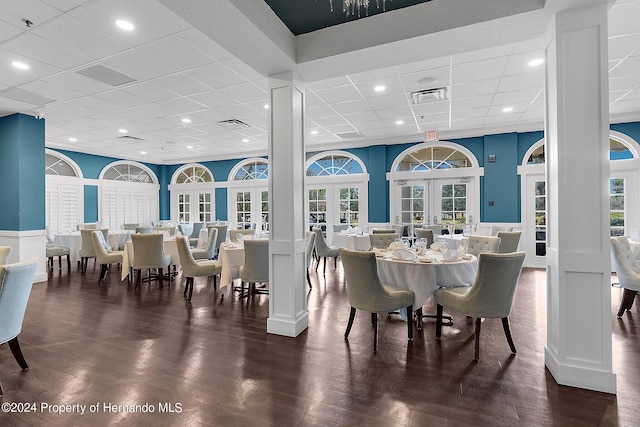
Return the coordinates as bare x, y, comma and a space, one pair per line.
351, 7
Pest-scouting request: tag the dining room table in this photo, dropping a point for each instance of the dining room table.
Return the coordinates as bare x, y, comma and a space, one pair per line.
73, 241
352, 241
170, 248
231, 256
453, 241
425, 274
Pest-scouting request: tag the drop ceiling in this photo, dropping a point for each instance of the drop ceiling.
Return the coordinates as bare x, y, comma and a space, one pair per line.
121, 94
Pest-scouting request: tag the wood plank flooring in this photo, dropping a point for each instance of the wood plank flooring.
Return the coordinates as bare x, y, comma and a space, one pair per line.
214, 363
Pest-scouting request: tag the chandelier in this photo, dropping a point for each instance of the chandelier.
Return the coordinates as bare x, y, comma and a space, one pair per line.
351, 7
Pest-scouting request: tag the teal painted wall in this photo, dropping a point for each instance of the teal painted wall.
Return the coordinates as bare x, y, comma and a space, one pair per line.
90, 203
500, 179
22, 165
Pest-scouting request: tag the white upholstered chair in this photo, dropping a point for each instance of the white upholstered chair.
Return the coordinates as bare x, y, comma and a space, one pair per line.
311, 240
104, 255
628, 271
480, 244
256, 265
382, 240
323, 250
509, 241
148, 253
192, 268
209, 250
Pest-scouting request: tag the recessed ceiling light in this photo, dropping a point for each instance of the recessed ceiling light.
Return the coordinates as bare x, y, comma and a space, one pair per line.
380, 88
314, 132
72, 139
122, 130
189, 147
143, 152
399, 122
507, 109
266, 106
124, 25
536, 62
185, 120
427, 81
20, 65
245, 140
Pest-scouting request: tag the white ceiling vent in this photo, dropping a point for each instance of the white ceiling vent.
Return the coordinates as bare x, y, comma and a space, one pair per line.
233, 124
106, 75
429, 95
349, 135
130, 138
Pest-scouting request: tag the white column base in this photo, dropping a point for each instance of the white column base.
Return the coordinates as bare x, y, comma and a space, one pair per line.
576, 376
286, 327
27, 244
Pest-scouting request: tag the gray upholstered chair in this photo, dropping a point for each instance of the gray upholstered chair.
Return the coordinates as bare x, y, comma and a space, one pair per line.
490, 296
323, 250
148, 253
339, 227
209, 250
383, 240
5, 251
195, 233
52, 251
308, 252
144, 230
167, 231
437, 229
508, 241
87, 226
367, 293
256, 265
384, 231
104, 255
192, 268
222, 236
233, 234
130, 226
15, 287
480, 244
87, 250
424, 233
628, 271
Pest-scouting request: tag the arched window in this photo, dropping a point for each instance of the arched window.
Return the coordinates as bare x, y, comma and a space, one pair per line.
249, 195
336, 191
192, 194
435, 183
64, 193
129, 193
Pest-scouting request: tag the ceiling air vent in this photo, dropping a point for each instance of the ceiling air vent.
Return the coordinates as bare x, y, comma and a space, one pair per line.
429, 95
106, 75
349, 135
233, 124
130, 138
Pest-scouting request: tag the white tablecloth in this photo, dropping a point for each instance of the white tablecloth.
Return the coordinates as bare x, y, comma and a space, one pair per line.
73, 241
170, 249
453, 242
231, 256
424, 278
351, 241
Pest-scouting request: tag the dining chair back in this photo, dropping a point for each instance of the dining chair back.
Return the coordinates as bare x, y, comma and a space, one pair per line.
148, 253
87, 226
15, 287
308, 252
437, 229
366, 292
323, 250
130, 226
256, 265
479, 244
627, 269
384, 231
222, 236
209, 250
5, 251
424, 233
233, 234
490, 296
87, 250
144, 230
339, 227
104, 255
509, 241
192, 268
382, 241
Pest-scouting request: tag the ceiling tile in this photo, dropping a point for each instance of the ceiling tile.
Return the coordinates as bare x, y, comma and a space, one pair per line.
246, 92
176, 52
338, 94
34, 46
137, 64
181, 84
479, 70
216, 76
35, 10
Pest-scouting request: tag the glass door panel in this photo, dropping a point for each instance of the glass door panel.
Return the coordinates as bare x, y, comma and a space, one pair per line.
317, 205
349, 206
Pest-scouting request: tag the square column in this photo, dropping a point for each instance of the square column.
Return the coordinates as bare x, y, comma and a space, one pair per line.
578, 351
287, 277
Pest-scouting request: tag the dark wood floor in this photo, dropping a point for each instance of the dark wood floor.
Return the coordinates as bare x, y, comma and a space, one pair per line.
90, 344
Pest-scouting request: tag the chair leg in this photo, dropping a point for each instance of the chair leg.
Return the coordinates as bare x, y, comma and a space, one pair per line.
215, 282
309, 279
375, 332
186, 286
439, 321
335, 262
324, 266
60, 262
68, 264
137, 277
410, 322
352, 315
628, 296
507, 333
17, 353
103, 272
190, 289
478, 326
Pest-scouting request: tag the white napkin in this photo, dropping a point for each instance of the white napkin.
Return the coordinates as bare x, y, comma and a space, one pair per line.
450, 255
435, 246
396, 245
403, 255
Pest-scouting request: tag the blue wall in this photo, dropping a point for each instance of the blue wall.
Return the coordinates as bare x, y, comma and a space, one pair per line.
22, 166
500, 183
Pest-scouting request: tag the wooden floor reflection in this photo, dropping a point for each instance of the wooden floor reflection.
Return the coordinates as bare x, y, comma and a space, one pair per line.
212, 362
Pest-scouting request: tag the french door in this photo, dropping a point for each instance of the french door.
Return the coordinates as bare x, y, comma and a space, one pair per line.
335, 204
194, 206
534, 236
248, 206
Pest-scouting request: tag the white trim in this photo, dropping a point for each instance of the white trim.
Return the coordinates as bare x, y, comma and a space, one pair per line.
474, 161
241, 163
342, 153
67, 159
153, 176
627, 141
187, 166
